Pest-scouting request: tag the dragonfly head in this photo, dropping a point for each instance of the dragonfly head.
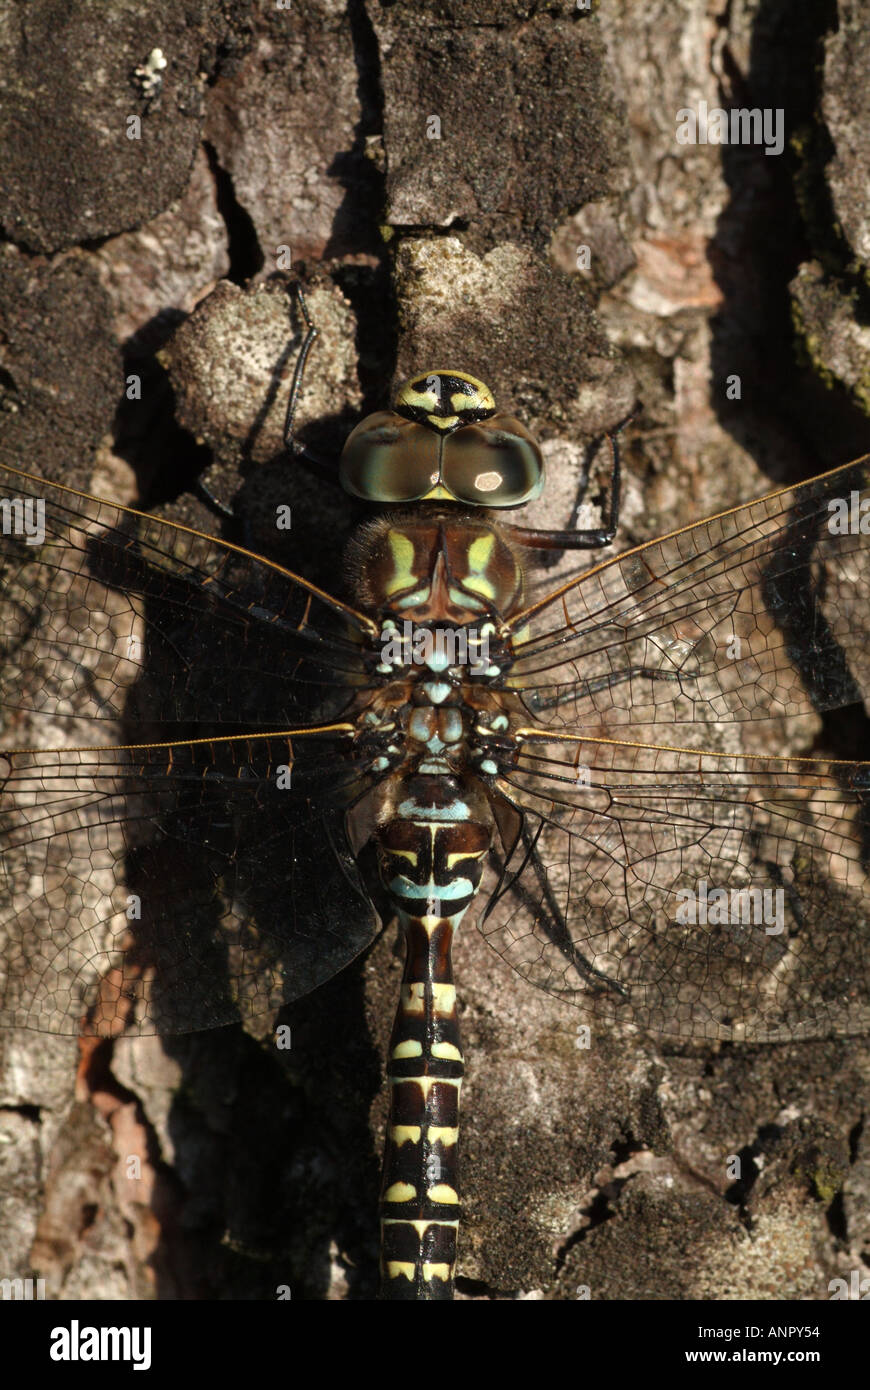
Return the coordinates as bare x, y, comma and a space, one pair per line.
443, 441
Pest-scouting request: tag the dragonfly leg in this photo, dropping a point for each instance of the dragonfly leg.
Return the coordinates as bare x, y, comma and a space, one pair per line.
592, 538
547, 911
320, 466
222, 508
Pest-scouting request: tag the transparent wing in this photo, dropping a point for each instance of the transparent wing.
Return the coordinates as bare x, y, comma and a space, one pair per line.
761, 611
168, 889
196, 880
693, 894
96, 597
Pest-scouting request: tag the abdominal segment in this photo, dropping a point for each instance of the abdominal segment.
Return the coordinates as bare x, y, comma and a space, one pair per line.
431, 855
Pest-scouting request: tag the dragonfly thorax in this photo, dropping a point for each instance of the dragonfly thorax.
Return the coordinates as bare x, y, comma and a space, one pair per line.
439, 568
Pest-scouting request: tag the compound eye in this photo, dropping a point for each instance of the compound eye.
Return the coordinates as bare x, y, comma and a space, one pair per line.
495, 463
389, 459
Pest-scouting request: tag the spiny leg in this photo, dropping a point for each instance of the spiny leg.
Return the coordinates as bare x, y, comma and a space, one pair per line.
321, 467
545, 909
318, 465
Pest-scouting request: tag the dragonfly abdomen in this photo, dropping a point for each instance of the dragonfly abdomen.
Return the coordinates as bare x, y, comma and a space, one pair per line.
431, 855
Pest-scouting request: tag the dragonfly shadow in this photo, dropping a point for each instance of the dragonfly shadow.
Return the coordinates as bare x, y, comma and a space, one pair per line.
270, 1208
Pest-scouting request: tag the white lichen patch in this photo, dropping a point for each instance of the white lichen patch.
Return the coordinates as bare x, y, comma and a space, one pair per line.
149, 75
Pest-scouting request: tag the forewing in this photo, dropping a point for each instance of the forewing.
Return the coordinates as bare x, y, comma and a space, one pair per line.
186, 883
102, 597
761, 611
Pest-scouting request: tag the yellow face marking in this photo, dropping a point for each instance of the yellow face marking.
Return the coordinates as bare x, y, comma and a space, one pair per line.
446, 1051
432, 1271
400, 1192
443, 422
405, 1134
408, 1048
442, 1134
442, 1193
481, 399
438, 492
414, 399
410, 394
403, 559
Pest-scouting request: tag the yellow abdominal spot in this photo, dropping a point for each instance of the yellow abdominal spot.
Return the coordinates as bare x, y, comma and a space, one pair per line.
447, 1051
400, 1192
411, 998
430, 924
442, 1193
442, 1134
444, 999
419, 1226
431, 1271
409, 1048
478, 585
427, 1082
405, 1134
397, 1269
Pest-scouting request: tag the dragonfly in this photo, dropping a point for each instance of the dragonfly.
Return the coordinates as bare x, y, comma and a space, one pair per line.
239, 778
